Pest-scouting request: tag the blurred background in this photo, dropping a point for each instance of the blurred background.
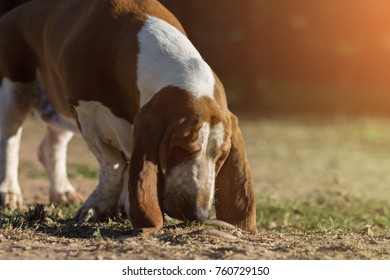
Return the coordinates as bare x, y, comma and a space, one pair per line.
293, 56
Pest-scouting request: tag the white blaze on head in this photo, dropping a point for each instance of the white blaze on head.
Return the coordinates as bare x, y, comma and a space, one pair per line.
167, 58
216, 138
195, 179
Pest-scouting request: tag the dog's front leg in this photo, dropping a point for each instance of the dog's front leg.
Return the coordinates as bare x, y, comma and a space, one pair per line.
109, 138
103, 202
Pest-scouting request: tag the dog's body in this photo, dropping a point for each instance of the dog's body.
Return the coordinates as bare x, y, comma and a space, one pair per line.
146, 103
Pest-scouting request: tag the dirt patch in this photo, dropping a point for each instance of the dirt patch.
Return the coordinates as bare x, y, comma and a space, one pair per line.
291, 161
191, 244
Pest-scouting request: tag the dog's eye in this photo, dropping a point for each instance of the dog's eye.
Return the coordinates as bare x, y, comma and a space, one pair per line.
179, 154
191, 148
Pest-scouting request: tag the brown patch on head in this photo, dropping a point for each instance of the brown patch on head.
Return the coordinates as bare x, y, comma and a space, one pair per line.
234, 187
185, 115
187, 159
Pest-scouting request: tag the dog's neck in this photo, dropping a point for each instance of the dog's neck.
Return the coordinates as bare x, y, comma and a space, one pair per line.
167, 58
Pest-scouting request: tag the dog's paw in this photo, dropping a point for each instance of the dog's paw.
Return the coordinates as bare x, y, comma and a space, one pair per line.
93, 211
11, 200
10, 194
66, 198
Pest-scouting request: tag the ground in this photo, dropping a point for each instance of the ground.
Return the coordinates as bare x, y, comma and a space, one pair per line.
322, 186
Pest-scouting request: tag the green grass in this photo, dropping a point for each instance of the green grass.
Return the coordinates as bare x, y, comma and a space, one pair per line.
31, 170
328, 210
84, 171
74, 170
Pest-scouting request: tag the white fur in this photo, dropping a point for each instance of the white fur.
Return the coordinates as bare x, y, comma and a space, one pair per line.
110, 139
9, 157
17, 100
97, 121
52, 153
216, 138
199, 175
168, 58
12, 115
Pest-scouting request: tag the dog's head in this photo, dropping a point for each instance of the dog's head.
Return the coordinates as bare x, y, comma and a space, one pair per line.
182, 144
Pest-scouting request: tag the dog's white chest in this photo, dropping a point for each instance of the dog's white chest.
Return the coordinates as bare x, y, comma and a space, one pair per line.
98, 122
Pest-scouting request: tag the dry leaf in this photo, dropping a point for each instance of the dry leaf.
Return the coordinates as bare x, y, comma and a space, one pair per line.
369, 230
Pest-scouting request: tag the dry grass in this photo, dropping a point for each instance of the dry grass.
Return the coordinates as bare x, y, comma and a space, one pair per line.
322, 187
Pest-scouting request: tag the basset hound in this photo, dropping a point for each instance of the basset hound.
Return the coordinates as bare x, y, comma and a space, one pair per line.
148, 106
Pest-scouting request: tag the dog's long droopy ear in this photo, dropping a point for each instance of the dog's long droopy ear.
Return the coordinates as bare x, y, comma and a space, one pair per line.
145, 180
235, 200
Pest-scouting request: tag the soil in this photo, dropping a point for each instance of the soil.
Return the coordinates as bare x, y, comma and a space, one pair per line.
286, 163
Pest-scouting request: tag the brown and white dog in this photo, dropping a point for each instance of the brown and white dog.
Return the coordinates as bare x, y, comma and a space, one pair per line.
148, 106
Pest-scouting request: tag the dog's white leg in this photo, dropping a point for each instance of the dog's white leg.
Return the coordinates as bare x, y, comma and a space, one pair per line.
52, 154
110, 139
16, 102
103, 201
10, 192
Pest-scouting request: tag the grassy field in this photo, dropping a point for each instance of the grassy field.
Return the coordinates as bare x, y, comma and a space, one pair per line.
322, 186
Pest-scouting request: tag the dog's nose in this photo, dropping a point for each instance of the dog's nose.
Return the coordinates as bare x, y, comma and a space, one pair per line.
201, 214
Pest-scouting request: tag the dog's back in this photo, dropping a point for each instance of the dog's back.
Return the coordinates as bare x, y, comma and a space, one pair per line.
53, 43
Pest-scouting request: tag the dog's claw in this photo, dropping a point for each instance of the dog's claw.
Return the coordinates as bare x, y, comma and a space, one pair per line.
11, 201
66, 198
87, 215
94, 214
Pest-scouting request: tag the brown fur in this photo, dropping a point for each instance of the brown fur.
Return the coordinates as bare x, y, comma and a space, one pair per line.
79, 47
235, 200
54, 35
